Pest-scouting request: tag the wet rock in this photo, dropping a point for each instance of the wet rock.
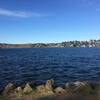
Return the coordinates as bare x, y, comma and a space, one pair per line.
60, 90
9, 89
27, 89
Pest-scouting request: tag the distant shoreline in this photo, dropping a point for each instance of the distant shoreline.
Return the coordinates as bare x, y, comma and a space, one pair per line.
90, 43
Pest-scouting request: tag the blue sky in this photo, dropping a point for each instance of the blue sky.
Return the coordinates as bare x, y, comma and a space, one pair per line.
32, 21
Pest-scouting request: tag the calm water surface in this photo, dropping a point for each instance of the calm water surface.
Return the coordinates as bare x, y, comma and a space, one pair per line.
39, 64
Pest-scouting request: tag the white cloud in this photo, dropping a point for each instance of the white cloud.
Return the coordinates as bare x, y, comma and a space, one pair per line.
21, 14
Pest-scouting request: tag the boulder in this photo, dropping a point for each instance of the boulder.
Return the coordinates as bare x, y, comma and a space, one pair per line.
47, 89
83, 88
73, 85
79, 87
18, 91
40, 89
49, 84
9, 89
27, 89
60, 90
70, 85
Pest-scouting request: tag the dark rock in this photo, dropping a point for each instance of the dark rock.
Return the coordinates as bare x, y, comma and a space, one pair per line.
83, 88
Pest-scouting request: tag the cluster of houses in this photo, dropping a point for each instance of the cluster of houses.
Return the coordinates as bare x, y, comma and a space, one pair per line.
90, 43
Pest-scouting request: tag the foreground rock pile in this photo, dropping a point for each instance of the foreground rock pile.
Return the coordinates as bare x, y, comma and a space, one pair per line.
48, 91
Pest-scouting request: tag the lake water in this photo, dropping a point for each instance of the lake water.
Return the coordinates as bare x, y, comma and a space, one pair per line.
39, 64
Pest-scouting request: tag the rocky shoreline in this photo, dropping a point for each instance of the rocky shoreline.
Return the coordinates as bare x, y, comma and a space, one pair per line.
49, 91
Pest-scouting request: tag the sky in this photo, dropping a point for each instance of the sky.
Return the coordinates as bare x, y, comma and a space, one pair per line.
46, 21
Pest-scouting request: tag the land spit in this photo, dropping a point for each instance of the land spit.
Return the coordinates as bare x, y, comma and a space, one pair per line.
49, 91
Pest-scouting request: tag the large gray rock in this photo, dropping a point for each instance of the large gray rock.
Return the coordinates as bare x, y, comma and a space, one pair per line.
9, 89
83, 88
75, 84
79, 87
